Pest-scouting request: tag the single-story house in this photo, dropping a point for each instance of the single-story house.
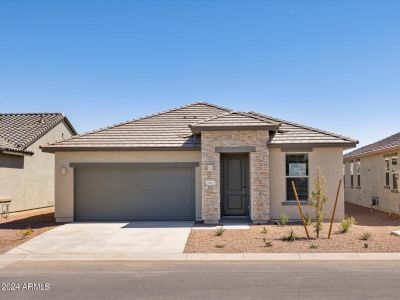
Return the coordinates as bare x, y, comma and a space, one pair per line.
27, 173
372, 175
198, 162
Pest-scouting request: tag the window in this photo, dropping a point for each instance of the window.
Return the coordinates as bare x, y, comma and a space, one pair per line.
344, 174
387, 172
297, 171
358, 170
395, 175
351, 174
391, 171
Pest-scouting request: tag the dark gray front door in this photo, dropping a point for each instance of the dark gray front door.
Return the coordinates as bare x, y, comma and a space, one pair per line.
234, 190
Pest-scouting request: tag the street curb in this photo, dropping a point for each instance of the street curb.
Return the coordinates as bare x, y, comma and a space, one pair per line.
7, 259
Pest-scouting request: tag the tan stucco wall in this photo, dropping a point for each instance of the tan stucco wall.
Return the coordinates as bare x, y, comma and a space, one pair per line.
372, 184
329, 160
33, 185
64, 184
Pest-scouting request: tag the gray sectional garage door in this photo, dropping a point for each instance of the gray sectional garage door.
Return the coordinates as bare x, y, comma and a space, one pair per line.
134, 192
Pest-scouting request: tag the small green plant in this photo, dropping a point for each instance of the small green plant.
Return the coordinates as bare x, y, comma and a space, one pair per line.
365, 236
267, 243
313, 246
365, 245
283, 219
290, 238
308, 219
219, 246
219, 231
28, 231
346, 224
319, 197
264, 231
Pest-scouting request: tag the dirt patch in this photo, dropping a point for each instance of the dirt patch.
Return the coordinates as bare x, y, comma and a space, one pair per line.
255, 240
13, 230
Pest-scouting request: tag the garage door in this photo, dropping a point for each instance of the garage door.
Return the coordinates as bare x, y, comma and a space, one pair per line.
134, 192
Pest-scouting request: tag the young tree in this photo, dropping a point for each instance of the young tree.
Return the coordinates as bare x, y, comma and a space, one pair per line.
319, 198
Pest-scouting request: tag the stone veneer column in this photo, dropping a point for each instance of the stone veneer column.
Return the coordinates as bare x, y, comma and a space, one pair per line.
259, 172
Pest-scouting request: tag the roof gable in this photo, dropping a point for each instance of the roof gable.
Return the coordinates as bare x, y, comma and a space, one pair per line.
18, 131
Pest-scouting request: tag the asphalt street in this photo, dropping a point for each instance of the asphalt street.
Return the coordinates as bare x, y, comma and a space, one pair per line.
201, 280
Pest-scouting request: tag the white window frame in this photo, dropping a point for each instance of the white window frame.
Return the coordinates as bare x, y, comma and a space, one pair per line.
358, 172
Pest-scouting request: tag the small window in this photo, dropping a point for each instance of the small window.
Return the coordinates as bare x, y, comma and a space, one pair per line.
344, 174
387, 172
395, 175
358, 173
351, 174
297, 171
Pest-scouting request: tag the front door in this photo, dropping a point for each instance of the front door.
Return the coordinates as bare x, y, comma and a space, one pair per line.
235, 187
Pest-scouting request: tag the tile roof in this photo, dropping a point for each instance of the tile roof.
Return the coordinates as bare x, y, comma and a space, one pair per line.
234, 119
172, 130
169, 129
293, 133
390, 142
19, 130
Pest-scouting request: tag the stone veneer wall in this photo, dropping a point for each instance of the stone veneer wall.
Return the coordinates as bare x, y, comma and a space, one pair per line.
259, 172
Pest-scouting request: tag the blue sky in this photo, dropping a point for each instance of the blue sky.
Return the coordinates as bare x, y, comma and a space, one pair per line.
334, 65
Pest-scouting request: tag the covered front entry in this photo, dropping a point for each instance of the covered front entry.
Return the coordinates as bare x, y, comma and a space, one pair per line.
235, 184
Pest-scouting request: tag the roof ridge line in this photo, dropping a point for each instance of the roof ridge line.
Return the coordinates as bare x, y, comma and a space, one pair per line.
212, 118
307, 127
32, 114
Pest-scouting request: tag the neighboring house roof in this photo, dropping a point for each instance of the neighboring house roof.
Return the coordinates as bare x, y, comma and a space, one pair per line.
177, 129
388, 143
19, 130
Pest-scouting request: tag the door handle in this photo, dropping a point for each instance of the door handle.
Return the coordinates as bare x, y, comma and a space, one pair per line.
244, 191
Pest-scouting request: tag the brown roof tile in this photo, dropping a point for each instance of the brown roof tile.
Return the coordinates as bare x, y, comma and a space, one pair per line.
390, 142
18, 131
172, 130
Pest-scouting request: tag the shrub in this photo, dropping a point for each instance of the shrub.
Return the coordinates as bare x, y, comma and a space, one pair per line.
365, 236
290, 238
264, 231
283, 219
313, 246
365, 245
308, 219
268, 244
219, 231
28, 231
319, 198
346, 224
219, 246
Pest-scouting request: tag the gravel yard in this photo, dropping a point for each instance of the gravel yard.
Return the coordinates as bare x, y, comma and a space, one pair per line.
378, 224
13, 230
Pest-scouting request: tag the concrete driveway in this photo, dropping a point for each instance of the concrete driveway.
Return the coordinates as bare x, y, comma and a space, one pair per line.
110, 238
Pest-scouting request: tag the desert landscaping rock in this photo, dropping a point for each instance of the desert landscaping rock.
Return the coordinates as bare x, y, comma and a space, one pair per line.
254, 240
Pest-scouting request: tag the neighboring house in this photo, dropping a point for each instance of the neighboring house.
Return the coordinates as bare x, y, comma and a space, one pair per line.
372, 174
26, 173
197, 162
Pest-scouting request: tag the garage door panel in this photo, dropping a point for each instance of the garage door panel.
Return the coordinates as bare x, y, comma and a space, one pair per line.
142, 193
179, 172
